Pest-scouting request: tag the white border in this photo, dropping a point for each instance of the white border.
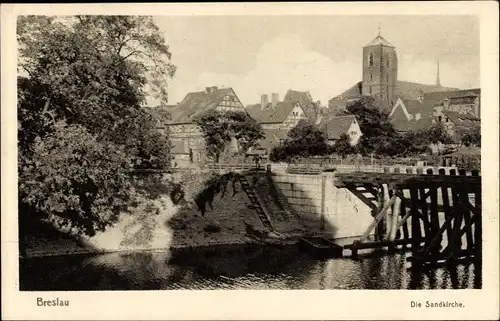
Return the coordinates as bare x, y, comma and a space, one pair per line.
335, 304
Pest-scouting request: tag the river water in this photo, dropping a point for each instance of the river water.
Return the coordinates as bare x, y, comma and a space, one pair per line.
237, 267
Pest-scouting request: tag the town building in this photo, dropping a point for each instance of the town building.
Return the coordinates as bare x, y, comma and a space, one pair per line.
457, 110
380, 79
336, 126
280, 115
311, 108
187, 138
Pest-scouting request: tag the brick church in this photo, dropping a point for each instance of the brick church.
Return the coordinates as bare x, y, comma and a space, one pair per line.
380, 79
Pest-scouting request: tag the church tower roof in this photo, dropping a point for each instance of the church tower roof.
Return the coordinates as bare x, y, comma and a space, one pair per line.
379, 41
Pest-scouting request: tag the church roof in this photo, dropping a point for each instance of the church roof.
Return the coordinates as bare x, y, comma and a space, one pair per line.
439, 96
379, 41
404, 90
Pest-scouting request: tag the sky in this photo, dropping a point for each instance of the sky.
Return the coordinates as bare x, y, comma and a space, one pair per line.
264, 54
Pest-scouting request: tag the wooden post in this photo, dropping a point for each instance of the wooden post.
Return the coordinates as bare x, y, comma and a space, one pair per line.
323, 200
379, 231
455, 243
415, 223
394, 218
379, 216
478, 227
464, 199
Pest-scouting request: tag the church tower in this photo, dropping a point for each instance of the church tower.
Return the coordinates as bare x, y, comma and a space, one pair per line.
380, 70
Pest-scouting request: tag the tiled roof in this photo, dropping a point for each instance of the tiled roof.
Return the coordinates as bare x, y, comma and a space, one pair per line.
305, 100
335, 126
404, 89
353, 92
439, 96
410, 90
413, 125
272, 138
196, 103
271, 114
379, 40
463, 120
301, 96
414, 106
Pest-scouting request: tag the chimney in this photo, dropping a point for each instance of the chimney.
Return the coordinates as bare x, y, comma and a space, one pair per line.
446, 103
207, 90
263, 101
214, 88
274, 99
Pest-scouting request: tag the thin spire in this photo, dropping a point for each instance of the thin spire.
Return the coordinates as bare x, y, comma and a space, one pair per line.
379, 29
438, 81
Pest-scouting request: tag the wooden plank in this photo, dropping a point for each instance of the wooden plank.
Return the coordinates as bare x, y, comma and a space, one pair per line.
368, 202
464, 199
455, 243
435, 231
406, 232
478, 226
424, 215
379, 216
416, 234
406, 180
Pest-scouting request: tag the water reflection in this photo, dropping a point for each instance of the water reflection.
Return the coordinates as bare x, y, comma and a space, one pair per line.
242, 267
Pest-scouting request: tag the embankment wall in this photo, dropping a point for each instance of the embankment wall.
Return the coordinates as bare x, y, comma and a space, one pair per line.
316, 197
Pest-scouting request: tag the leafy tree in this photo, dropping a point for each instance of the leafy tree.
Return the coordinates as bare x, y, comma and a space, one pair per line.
76, 177
437, 134
303, 140
472, 137
81, 127
343, 146
220, 127
379, 135
94, 71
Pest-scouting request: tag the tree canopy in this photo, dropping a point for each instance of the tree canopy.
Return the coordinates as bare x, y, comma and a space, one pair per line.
379, 135
82, 124
303, 140
219, 128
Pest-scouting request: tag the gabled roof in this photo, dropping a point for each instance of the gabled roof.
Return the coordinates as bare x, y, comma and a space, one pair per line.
439, 96
272, 138
335, 126
379, 41
413, 125
300, 96
270, 114
463, 120
306, 102
196, 103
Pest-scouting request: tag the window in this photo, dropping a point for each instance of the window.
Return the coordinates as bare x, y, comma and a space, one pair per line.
370, 89
370, 60
447, 119
387, 62
387, 77
371, 77
440, 118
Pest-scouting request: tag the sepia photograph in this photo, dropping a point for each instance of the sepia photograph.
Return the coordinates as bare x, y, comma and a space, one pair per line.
249, 152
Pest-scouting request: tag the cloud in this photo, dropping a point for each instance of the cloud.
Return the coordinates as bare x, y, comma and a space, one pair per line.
457, 75
286, 63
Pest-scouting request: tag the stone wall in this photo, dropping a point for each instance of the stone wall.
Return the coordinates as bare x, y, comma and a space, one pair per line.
317, 200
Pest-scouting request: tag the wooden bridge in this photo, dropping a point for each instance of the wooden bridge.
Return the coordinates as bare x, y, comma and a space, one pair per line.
430, 212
